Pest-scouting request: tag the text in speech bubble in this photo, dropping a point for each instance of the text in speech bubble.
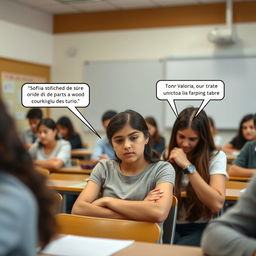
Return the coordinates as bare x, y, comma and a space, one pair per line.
69, 96
207, 90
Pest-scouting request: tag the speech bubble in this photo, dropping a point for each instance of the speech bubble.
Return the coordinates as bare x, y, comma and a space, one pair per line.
69, 96
206, 90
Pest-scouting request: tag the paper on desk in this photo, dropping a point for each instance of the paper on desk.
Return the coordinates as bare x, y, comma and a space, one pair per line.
243, 190
80, 246
79, 185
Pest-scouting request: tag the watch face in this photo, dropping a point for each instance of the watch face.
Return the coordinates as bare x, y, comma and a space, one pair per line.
190, 169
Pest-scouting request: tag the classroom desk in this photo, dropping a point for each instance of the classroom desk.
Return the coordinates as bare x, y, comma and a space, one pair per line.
237, 178
72, 170
151, 249
81, 152
231, 157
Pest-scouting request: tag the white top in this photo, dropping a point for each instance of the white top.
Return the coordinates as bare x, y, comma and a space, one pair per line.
61, 151
218, 165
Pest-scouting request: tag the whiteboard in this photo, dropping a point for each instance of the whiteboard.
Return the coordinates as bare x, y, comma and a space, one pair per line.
122, 85
239, 76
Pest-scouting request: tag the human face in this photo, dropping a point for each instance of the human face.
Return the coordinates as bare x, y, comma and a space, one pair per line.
46, 135
63, 131
249, 130
187, 139
151, 129
129, 144
33, 122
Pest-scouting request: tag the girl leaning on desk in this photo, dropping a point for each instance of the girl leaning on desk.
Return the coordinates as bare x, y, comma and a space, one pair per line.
26, 206
136, 186
200, 171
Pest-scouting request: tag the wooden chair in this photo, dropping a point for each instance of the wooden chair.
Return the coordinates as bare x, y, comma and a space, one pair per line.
170, 223
43, 171
59, 199
108, 228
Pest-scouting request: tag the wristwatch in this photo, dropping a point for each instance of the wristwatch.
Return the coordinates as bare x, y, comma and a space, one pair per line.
189, 169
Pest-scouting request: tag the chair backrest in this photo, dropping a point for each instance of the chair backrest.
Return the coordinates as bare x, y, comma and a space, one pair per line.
108, 228
59, 199
170, 223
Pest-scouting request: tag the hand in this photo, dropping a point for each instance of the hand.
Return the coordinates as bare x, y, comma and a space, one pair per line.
102, 202
178, 156
154, 195
103, 156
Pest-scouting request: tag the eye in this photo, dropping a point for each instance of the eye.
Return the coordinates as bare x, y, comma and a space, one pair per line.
118, 141
133, 138
193, 139
181, 136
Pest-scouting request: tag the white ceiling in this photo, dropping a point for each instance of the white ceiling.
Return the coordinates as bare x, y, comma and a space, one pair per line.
75, 6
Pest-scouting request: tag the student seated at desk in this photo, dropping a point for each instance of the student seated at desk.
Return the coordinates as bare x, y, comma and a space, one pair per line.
136, 186
29, 136
50, 152
26, 205
247, 132
245, 163
200, 171
104, 149
67, 132
234, 233
157, 141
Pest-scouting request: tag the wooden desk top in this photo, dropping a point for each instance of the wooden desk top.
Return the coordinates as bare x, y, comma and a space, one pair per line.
67, 185
151, 249
236, 178
81, 152
72, 169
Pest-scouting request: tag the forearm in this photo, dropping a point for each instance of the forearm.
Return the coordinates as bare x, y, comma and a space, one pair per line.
49, 163
212, 198
235, 170
88, 209
138, 210
232, 243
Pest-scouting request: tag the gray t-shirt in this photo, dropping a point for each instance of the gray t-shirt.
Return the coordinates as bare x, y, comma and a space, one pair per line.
114, 183
61, 151
18, 218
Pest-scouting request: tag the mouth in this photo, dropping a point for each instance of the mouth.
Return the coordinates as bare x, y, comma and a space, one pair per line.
128, 154
186, 150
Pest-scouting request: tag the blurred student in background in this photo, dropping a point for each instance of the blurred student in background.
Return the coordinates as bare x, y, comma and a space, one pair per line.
104, 149
27, 207
67, 132
49, 151
200, 172
216, 137
246, 132
34, 116
245, 164
157, 141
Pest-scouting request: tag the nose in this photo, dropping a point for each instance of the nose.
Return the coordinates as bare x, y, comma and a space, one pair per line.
127, 144
185, 143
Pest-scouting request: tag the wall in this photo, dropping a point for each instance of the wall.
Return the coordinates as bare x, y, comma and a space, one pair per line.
139, 44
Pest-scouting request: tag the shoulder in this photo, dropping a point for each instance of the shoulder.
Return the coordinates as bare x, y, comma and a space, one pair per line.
218, 155
250, 144
163, 169
62, 142
218, 163
14, 194
107, 164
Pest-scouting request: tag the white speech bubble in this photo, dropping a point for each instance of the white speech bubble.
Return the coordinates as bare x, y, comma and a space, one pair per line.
206, 90
69, 96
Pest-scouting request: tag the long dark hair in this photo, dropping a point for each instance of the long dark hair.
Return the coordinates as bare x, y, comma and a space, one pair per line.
241, 140
15, 160
137, 122
64, 121
200, 157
